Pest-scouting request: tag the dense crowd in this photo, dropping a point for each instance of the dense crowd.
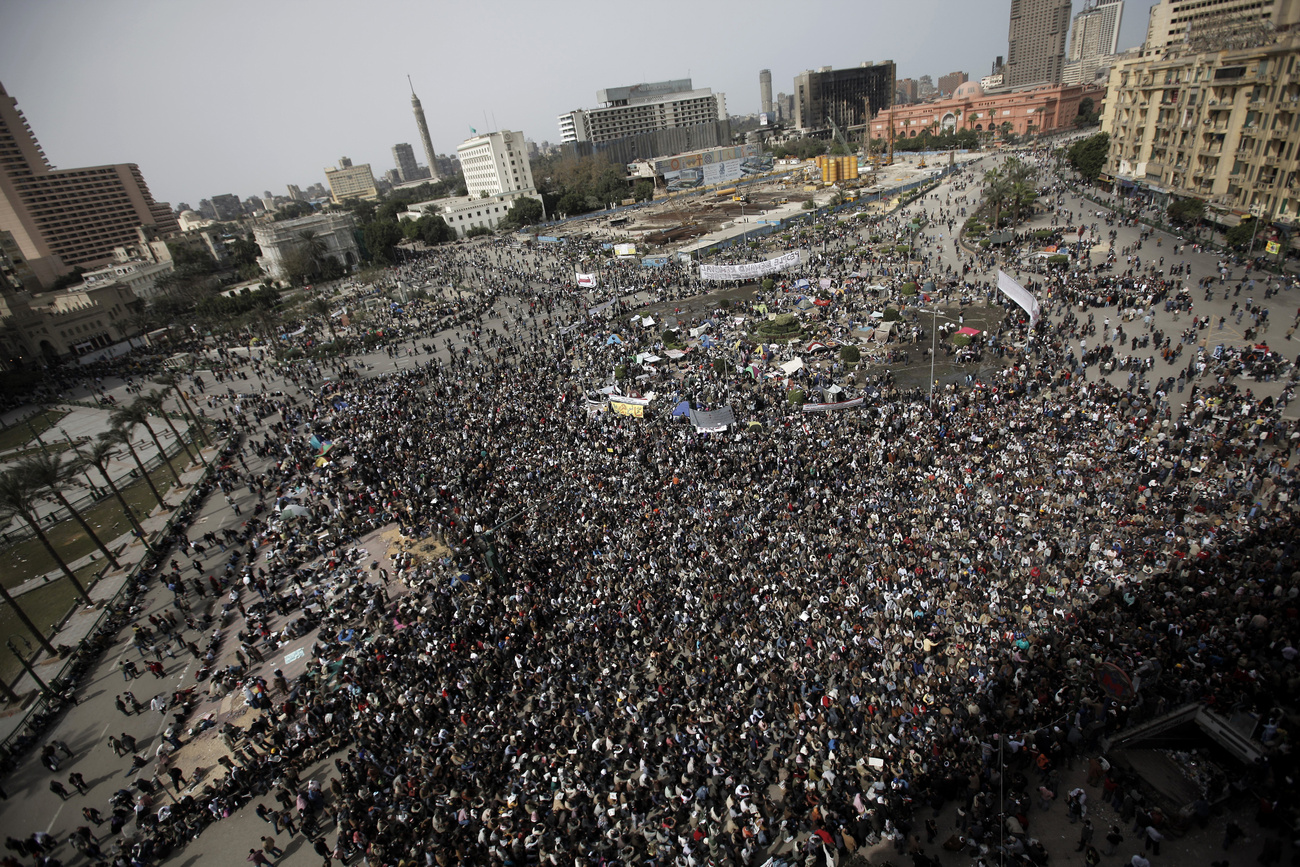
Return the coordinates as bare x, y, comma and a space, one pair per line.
652, 645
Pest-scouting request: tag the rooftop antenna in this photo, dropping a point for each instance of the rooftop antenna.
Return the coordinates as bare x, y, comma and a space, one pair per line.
408, 81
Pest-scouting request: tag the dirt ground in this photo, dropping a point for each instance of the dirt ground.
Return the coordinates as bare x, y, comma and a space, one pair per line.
691, 217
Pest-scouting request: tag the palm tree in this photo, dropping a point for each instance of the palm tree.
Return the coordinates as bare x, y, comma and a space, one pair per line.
101, 452
997, 191
1021, 194
120, 436
27, 621
1021, 190
153, 401
18, 500
135, 414
173, 382
46, 472
321, 308
312, 247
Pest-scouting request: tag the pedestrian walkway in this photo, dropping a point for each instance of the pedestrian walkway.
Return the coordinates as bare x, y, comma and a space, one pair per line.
83, 619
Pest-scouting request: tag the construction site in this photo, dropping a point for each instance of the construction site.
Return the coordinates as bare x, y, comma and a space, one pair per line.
684, 221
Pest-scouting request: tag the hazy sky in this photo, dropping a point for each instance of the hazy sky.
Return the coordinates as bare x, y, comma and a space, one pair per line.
241, 97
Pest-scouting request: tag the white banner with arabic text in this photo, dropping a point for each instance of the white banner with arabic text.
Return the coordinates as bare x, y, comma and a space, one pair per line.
750, 270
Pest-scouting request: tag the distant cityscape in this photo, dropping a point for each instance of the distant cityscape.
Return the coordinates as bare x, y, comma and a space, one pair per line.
1206, 107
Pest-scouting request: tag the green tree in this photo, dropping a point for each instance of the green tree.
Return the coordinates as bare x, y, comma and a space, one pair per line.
49, 472
1087, 156
291, 211
191, 257
312, 247
18, 494
477, 232
1186, 212
524, 212
363, 209
434, 230
997, 192
381, 239
1240, 235
643, 190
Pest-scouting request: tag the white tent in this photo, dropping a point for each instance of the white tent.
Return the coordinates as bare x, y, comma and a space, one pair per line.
791, 366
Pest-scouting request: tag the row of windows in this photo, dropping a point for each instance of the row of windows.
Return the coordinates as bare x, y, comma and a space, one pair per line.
80, 329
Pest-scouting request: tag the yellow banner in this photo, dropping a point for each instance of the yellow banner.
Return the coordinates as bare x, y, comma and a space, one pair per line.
632, 409
1273, 248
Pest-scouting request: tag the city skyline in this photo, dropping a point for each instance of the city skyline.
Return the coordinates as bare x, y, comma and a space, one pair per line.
273, 108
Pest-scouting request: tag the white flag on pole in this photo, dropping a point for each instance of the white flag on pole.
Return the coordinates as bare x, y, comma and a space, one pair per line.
1019, 294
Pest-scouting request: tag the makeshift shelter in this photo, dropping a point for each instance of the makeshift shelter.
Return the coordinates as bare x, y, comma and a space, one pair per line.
713, 421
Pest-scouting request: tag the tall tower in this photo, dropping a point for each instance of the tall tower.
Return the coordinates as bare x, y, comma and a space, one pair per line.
765, 90
420, 122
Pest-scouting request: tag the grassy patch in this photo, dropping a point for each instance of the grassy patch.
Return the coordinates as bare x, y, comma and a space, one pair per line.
28, 558
34, 449
20, 434
46, 607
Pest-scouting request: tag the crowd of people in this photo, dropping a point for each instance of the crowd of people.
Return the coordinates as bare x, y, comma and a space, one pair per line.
647, 644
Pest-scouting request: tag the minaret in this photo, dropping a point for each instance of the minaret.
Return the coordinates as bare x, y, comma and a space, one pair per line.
424, 132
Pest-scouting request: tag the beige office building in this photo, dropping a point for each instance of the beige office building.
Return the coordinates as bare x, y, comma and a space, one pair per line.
1222, 126
351, 182
60, 218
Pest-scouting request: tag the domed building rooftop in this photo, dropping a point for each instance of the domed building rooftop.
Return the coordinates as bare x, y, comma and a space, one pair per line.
968, 90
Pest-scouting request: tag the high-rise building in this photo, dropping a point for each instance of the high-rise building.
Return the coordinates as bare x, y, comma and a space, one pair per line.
351, 182
429, 153
61, 218
1094, 37
905, 91
838, 97
227, 207
407, 168
1211, 25
948, 83
495, 163
1095, 32
295, 193
642, 108
1036, 42
1217, 125
765, 90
